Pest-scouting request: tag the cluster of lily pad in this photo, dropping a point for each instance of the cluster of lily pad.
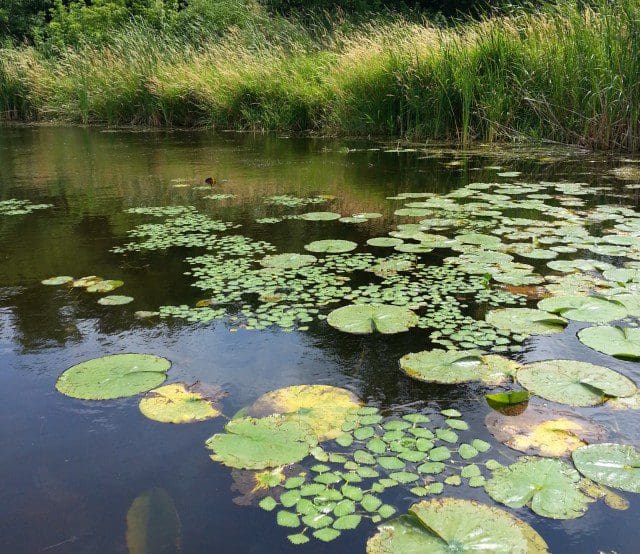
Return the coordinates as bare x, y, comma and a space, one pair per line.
182, 226
14, 206
94, 284
356, 454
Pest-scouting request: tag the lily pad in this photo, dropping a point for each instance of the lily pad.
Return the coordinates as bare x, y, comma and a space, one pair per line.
526, 321
331, 246
620, 342
550, 487
104, 286
450, 524
574, 383
60, 280
322, 408
594, 309
287, 261
250, 443
115, 300
86, 281
368, 318
320, 216
114, 376
456, 366
544, 431
178, 403
610, 464
384, 242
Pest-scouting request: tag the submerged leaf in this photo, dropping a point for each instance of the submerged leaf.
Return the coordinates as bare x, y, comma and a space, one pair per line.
153, 524
544, 431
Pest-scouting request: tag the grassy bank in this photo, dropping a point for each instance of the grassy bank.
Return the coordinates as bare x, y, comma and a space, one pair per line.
562, 74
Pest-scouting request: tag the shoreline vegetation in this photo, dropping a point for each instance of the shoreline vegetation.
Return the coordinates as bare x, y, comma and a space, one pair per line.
564, 73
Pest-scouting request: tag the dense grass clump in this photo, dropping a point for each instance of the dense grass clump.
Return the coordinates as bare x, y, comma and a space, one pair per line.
566, 73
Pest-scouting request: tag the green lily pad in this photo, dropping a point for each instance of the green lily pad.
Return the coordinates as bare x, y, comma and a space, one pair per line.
115, 300
384, 242
526, 321
455, 366
594, 309
368, 318
550, 487
60, 280
610, 464
445, 525
620, 342
331, 246
320, 216
288, 261
574, 383
114, 376
250, 443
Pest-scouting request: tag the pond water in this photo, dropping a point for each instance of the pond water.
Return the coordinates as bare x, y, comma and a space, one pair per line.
73, 468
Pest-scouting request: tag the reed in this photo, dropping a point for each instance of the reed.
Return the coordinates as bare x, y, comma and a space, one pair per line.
563, 74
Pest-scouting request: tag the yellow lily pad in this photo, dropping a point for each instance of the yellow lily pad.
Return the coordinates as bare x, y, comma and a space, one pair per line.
177, 403
543, 431
322, 408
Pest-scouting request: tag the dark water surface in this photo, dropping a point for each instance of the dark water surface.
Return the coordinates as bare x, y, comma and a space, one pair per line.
71, 469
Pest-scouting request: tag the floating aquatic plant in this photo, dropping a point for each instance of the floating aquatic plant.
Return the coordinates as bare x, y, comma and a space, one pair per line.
113, 376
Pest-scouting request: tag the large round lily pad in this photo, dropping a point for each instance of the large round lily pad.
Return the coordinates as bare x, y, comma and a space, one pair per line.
320, 216
544, 431
59, 280
331, 246
368, 318
614, 465
550, 487
115, 300
456, 366
621, 342
574, 383
384, 242
455, 525
594, 309
526, 321
104, 286
322, 408
177, 403
287, 261
114, 376
250, 443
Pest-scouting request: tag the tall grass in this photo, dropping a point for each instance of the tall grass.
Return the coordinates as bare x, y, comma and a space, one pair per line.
564, 74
